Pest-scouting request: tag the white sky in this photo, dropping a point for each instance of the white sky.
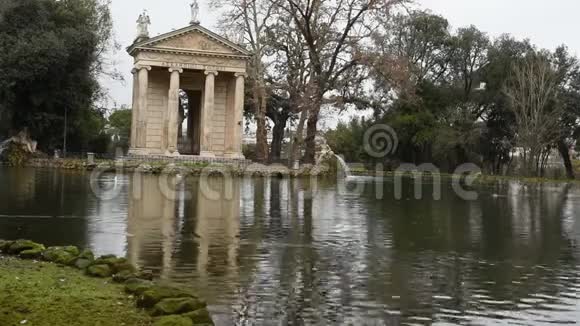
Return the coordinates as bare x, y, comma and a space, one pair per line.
546, 23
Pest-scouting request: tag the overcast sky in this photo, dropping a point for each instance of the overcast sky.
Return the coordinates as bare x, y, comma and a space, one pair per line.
546, 23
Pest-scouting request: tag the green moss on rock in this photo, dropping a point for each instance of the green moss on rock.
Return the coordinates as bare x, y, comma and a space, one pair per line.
130, 273
99, 271
145, 275
199, 316
86, 254
61, 255
176, 306
84, 259
116, 264
155, 294
137, 286
123, 276
174, 320
82, 263
31, 253
21, 245
4, 245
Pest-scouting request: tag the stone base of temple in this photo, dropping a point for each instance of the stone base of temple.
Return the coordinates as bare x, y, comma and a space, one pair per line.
207, 154
138, 151
237, 156
172, 154
187, 159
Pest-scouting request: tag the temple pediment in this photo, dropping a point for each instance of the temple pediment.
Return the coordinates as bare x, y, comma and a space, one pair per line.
193, 38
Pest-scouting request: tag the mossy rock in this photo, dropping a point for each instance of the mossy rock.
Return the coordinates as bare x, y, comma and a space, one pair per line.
4, 245
137, 286
86, 254
116, 264
99, 271
145, 275
31, 253
61, 255
176, 306
123, 276
21, 245
155, 294
84, 259
82, 263
199, 316
174, 320
124, 267
109, 260
129, 273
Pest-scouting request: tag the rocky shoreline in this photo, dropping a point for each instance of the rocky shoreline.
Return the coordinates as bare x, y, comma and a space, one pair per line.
184, 168
167, 305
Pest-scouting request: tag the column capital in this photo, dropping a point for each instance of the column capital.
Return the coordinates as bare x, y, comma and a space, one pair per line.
241, 74
172, 69
211, 72
140, 67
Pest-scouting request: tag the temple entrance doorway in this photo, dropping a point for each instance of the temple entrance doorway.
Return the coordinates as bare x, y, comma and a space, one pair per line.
189, 141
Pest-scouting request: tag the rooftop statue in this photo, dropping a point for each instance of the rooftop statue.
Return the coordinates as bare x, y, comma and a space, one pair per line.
194, 13
143, 25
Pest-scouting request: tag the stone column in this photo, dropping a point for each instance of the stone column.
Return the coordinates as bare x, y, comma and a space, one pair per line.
142, 107
134, 108
207, 115
237, 122
172, 115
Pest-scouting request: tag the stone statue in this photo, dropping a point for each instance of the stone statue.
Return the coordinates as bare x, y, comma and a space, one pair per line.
194, 13
143, 25
241, 37
23, 139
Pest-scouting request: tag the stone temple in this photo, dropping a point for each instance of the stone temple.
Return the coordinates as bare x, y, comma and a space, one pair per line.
188, 93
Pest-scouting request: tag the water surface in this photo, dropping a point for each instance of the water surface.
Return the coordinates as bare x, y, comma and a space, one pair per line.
273, 252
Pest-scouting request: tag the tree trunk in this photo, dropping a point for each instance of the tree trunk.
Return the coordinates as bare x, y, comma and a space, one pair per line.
278, 137
261, 132
565, 153
298, 138
311, 131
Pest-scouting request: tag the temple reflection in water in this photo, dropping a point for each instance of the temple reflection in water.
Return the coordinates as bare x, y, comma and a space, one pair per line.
174, 227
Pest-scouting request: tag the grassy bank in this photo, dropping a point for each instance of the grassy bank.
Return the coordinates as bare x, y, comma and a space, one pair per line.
41, 293
51, 286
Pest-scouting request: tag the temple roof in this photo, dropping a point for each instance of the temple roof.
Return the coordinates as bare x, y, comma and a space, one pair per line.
194, 39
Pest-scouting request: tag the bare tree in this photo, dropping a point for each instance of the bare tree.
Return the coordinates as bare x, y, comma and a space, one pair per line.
532, 94
290, 79
332, 31
251, 19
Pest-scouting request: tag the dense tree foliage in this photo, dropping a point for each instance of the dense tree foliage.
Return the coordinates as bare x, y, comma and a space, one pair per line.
120, 127
459, 97
51, 54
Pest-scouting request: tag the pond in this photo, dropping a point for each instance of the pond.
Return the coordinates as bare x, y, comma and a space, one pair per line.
268, 251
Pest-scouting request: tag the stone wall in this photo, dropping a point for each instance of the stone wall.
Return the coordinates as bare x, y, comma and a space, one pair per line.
219, 117
157, 98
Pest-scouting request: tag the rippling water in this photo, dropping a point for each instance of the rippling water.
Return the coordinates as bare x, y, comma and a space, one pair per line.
275, 252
